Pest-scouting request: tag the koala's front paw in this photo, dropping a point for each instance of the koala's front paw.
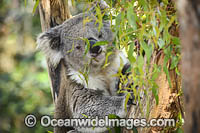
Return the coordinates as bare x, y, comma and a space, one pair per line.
132, 99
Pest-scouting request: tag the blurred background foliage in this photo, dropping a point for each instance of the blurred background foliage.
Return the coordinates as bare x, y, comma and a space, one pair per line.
24, 85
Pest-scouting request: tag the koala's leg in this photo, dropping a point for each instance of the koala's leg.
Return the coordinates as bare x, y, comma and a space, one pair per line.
90, 103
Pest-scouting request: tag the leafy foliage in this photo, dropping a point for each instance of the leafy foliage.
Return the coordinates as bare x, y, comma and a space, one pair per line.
24, 85
143, 30
147, 25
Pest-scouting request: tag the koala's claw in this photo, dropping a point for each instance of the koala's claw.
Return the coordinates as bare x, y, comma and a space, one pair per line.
131, 102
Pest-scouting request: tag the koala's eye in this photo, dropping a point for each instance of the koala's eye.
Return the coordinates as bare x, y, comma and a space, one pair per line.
78, 47
100, 35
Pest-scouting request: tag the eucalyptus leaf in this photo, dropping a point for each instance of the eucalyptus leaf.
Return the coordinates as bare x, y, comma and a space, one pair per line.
130, 53
176, 40
35, 6
100, 43
165, 69
174, 62
155, 93
131, 16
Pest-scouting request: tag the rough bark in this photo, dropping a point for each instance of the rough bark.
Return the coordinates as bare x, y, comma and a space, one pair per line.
52, 13
189, 16
169, 103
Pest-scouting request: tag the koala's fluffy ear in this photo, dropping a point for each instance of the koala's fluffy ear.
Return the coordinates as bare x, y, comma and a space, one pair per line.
49, 43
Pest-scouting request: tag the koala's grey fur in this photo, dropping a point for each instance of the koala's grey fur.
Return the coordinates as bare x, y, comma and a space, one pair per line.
64, 50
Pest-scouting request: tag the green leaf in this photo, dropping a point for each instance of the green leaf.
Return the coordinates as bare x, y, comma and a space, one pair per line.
130, 53
174, 62
126, 100
84, 115
106, 60
177, 72
147, 107
166, 36
113, 116
87, 46
135, 130
35, 6
156, 72
100, 43
84, 74
144, 4
73, 3
165, 69
155, 93
168, 52
176, 40
163, 21
141, 33
99, 17
109, 130
131, 16
179, 130
171, 21
25, 3
140, 62
107, 17
118, 19
117, 129
147, 49
161, 43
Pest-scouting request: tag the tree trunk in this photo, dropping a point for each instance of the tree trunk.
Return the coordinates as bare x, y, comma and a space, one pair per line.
53, 13
169, 103
190, 39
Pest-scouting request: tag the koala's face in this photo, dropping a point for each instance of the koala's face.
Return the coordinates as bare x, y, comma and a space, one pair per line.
75, 44
68, 42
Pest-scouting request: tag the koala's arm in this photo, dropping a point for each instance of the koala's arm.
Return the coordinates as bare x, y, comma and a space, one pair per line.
88, 102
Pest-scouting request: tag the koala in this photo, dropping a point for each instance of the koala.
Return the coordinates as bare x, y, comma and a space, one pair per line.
82, 83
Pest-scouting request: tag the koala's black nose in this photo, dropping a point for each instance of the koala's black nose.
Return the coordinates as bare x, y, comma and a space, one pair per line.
94, 50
